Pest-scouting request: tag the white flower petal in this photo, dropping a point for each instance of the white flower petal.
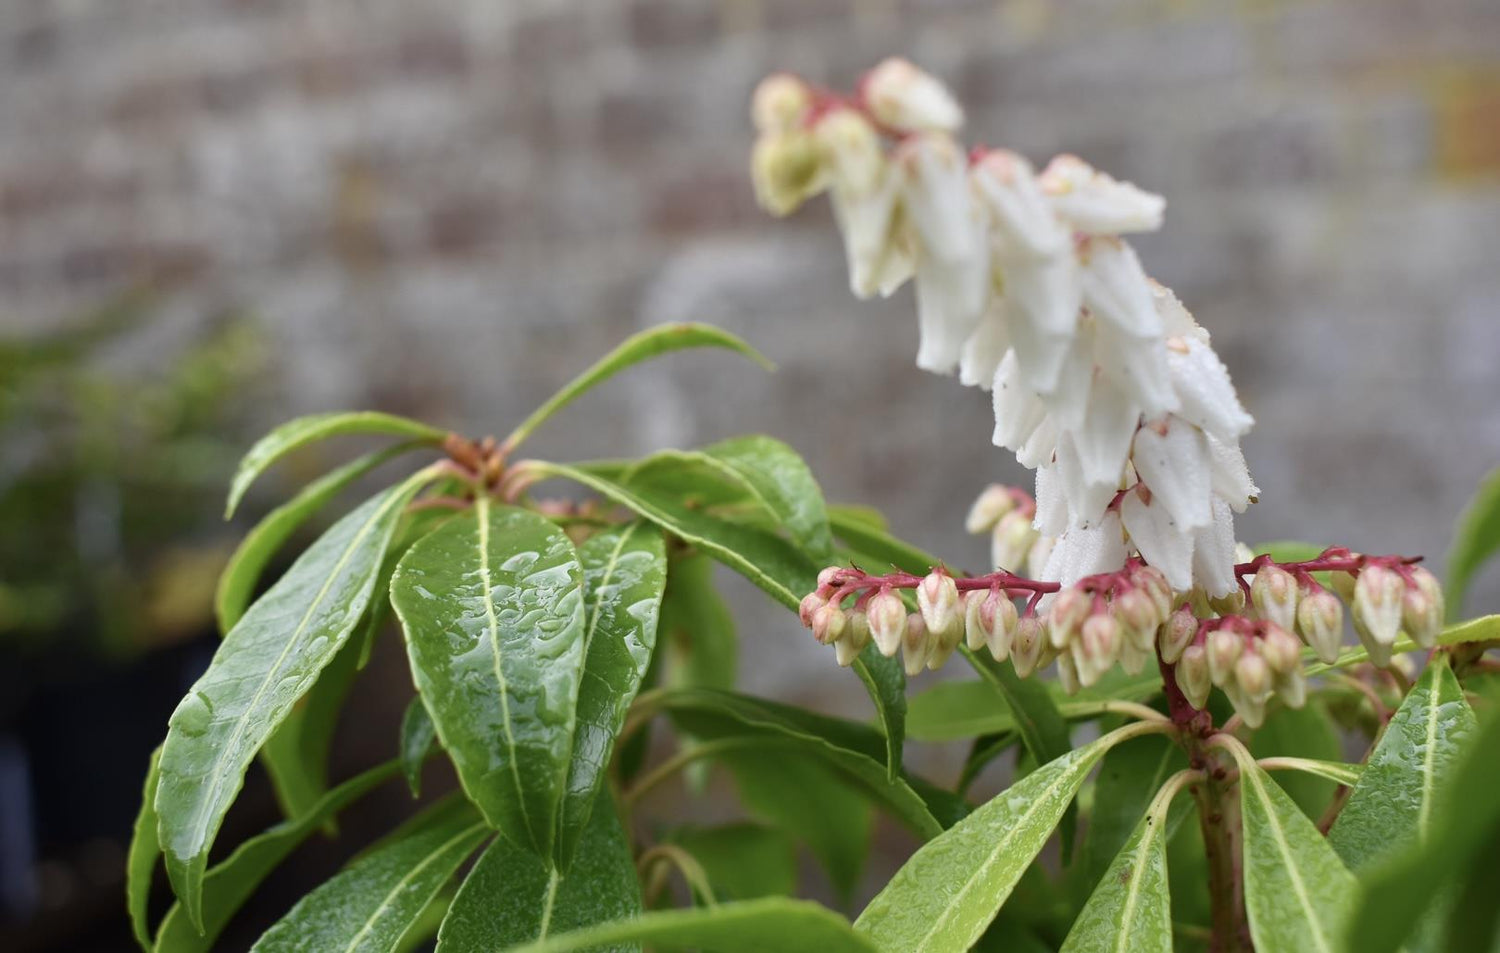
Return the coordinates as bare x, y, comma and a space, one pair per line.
1139, 366
935, 194
1176, 320
950, 302
1040, 447
1158, 538
1103, 441
1213, 553
1051, 503
907, 99
1018, 411
1096, 203
867, 222
1204, 390
1229, 474
985, 348
1068, 402
1086, 552
1087, 498
1116, 289
1171, 458
1022, 215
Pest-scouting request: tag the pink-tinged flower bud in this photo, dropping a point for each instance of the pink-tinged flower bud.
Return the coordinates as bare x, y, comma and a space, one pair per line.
1252, 674
1176, 634
937, 598
1377, 606
1193, 676
1011, 540
1138, 618
1281, 650
1274, 594
1343, 584
856, 637
907, 99
1002, 629
1292, 687
1251, 709
944, 644
1224, 650
1026, 650
887, 615
780, 103
786, 170
829, 624
828, 577
1070, 607
1231, 604
1067, 673
976, 626
916, 645
1099, 641
1422, 608
1153, 583
993, 503
811, 603
1320, 620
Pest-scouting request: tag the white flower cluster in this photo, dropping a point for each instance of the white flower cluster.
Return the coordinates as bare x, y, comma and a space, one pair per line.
1102, 381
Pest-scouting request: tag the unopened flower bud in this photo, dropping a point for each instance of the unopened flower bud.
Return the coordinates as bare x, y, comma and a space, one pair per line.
1231, 604
856, 637
993, 503
887, 615
1176, 634
1193, 676
976, 627
1292, 687
811, 603
1067, 673
1281, 650
780, 103
829, 624
1343, 584
1422, 608
1070, 607
908, 100
1011, 540
1224, 649
1252, 674
916, 645
1002, 631
1151, 581
1138, 618
785, 169
1274, 594
1320, 619
1377, 606
828, 577
1251, 708
1133, 658
1099, 641
937, 598
943, 644
851, 152
1026, 651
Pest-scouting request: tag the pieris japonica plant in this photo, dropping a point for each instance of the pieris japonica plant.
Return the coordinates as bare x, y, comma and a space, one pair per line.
549, 637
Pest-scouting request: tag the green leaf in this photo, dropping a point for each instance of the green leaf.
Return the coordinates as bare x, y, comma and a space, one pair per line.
697, 628
372, 903
1131, 909
266, 662
1483, 629
229, 884
1298, 894
417, 734
644, 346
512, 897
860, 534
140, 863
625, 573
781, 479
492, 607
1476, 539
750, 926
957, 709
1289, 551
302, 431
242, 572
948, 892
296, 753
771, 563
1305, 733
867, 516
1129, 777
744, 861
1336, 771
1394, 801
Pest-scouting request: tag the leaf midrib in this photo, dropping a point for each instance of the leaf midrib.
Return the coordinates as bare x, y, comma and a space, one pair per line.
1285, 849
410, 875
1133, 891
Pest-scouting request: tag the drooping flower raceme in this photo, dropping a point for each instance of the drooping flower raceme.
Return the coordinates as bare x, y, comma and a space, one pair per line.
1102, 383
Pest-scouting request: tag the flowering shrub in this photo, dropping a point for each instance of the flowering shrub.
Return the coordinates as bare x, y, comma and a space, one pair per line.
545, 638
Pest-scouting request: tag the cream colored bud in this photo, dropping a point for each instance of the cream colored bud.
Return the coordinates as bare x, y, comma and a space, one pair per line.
1026, 651
829, 624
1138, 618
1176, 634
1067, 673
1251, 708
937, 598
944, 644
1133, 658
1274, 594
851, 151
1320, 620
1281, 650
1100, 643
1193, 676
856, 637
1151, 581
1422, 608
1377, 605
1002, 627
887, 615
1252, 674
993, 503
907, 99
828, 577
780, 103
976, 632
1224, 650
785, 170
811, 603
1292, 687
1231, 604
1343, 584
1070, 608
1011, 540
916, 645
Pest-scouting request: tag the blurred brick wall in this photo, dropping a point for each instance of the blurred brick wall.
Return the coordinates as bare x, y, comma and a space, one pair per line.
448, 207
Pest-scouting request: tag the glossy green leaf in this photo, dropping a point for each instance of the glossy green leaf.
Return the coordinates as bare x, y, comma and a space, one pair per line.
1394, 801
1131, 909
511, 897
968, 708
945, 896
229, 884
750, 926
296, 753
371, 904
1475, 541
1306, 733
1289, 551
1298, 894
298, 433
625, 573
653, 342
697, 628
264, 665
861, 535
867, 516
140, 863
1129, 777
492, 608
772, 563
781, 479
417, 734
238, 580
1336, 771
744, 861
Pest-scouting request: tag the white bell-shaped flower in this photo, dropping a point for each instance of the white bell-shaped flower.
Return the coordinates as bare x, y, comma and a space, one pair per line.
1086, 552
1096, 203
1103, 439
1025, 223
907, 99
1116, 289
1158, 538
1139, 365
1213, 553
1204, 390
1018, 411
1230, 475
1171, 456
985, 348
1051, 517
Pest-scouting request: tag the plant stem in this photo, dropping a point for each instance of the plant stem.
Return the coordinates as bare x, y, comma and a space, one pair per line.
1218, 800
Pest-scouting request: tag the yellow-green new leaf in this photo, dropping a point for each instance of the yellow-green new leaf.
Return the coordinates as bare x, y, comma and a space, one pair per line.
302, 431
140, 862
1476, 540
492, 607
266, 663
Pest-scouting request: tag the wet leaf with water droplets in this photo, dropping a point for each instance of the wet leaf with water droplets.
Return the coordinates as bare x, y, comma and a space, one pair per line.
416, 741
492, 607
